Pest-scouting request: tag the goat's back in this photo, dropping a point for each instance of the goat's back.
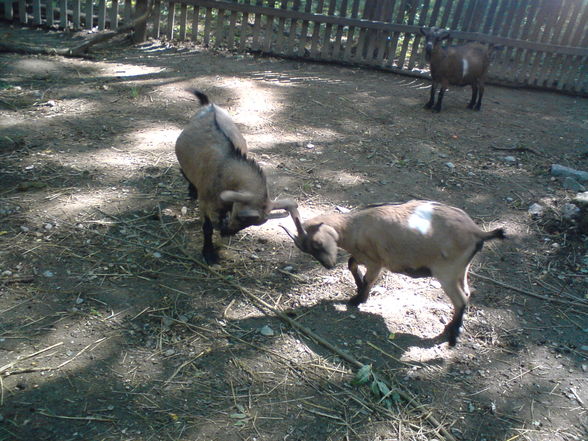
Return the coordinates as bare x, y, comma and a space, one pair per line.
417, 234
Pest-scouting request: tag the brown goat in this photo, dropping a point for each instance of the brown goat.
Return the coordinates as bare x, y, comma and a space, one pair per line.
456, 65
418, 238
231, 188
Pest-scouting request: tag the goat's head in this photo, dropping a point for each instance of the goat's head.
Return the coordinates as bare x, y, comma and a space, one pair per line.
432, 37
317, 239
248, 210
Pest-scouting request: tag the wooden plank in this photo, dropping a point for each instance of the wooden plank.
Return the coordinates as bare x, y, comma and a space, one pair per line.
407, 36
396, 35
491, 17
446, 13
101, 15
128, 11
219, 33
171, 19
37, 12
416, 50
327, 48
315, 31
76, 14
22, 11
255, 36
550, 68
89, 10
512, 30
350, 31
339, 33
279, 46
183, 21
381, 44
195, 20
373, 38
565, 39
543, 59
524, 73
207, 25
8, 10
523, 35
244, 27
114, 15
457, 15
232, 29
269, 30
501, 15
435, 13
157, 19
290, 48
388, 17
63, 21
304, 31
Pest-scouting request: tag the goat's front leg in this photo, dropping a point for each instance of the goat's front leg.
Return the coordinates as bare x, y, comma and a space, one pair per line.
480, 95
208, 251
432, 97
364, 282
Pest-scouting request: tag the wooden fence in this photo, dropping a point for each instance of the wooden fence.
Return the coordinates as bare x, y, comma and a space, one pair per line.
545, 41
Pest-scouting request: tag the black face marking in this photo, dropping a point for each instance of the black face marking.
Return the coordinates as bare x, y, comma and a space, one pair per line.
416, 273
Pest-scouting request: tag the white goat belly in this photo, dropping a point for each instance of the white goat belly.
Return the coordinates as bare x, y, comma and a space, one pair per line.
465, 65
420, 220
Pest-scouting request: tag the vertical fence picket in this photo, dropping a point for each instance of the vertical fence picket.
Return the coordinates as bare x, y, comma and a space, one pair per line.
560, 60
171, 19
220, 28
536, 30
256, 28
446, 14
435, 13
232, 29
339, 32
304, 31
350, 32
417, 38
244, 29
327, 46
63, 22
76, 14
8, 10
269, 30
195, 21
22, 11
114, 14
207, 26
315, 31
127, 11
37, 12
156, 20
574, 62
183, 21
396, 36
543, 59
278, 48
49, 13
101, 14
89, 14
290, 48
407, 36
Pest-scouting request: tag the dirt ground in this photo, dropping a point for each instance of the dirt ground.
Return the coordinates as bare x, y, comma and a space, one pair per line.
112, 329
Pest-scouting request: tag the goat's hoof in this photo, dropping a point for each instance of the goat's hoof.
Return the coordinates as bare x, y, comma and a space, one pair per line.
436, 110
452, 334
427, 106
211, 257
354, 301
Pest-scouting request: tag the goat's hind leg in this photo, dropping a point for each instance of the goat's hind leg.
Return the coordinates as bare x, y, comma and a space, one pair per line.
455, 288
192, 191
364, 282
474, 96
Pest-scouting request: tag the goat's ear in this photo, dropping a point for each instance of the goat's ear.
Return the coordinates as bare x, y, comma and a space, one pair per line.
236, 196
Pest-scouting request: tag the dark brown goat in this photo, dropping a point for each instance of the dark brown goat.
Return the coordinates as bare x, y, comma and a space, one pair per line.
231, 188
418, 238
456, 65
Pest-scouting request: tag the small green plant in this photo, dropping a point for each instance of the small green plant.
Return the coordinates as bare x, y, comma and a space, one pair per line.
135, 92
385, 395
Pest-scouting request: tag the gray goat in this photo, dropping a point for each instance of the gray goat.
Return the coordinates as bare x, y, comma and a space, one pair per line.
456, 65
230, 187
417, 238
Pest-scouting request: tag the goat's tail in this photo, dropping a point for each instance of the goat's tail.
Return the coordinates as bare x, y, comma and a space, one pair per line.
204, 101
498, 233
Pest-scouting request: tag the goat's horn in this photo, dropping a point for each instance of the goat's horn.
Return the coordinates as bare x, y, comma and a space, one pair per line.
296, 218
236, 196
277, 215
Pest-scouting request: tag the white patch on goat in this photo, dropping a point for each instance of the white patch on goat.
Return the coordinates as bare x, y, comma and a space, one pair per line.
421, 218
465, 64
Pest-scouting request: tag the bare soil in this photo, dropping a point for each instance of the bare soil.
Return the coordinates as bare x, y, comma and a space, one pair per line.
111, 328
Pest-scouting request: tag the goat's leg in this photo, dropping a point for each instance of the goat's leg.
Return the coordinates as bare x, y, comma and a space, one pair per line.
474, 96
432, 98
453, 288
480, 95
192, 191
208, 251
366, 282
